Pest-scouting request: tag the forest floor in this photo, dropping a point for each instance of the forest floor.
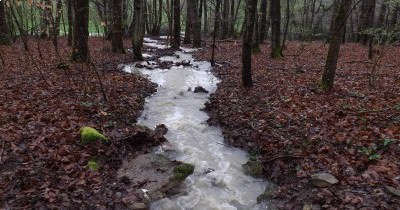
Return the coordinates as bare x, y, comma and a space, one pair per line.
295, 129
44, 101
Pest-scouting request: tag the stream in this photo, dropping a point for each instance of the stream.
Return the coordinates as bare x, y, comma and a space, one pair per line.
218, 181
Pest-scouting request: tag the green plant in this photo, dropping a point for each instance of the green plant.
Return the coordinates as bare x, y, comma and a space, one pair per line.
396, 120
374, 150
62, 65
253, 154
397, 107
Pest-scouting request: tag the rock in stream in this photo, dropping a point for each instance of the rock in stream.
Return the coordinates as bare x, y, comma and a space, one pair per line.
155, 175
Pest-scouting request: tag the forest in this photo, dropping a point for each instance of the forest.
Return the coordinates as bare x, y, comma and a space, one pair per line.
195, 104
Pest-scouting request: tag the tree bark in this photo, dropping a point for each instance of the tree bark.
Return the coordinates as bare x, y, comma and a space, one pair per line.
4, 31
338, 26
205, 16
80, 49
276, 48
70, 21
138, 29
177, 25
251, 10
117, 44
263, 20
188, 24
196, 22
216, 25
225, 20
232, 19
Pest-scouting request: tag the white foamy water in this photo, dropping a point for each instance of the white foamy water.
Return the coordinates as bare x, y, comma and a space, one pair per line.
218, 181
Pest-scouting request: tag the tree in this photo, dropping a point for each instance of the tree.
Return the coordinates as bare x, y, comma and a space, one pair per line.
366, 19
216, 27
138, 29
188, 24
4, 31
117, 43
196, 22
276, 48
225, 19
45, 18
263, 20
251, 10
177, 25
70, 21
337, 30
80, 48
155, 18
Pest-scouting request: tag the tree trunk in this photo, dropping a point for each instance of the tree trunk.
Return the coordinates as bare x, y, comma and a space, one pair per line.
276, 48
256, 35
188, 24
80, 49
177, 25
232, 19
394, 15
117, 44
251, 10
4, 31
338, 26
366, 19
225, 20
216, 25
263, 20
45, 19
196, 22
382, 15
70, 21
138, 29
287, 23
205, 18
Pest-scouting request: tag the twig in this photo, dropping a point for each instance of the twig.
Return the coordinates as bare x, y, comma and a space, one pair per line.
1, 58
100, 81
282, 156
2, 149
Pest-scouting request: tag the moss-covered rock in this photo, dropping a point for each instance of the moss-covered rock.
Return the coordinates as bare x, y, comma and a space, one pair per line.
90, 135
253, 168
182, 171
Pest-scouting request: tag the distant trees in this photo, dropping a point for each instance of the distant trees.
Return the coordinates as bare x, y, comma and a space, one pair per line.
338, 25
251, 10
366, 19
4, 31
80, 48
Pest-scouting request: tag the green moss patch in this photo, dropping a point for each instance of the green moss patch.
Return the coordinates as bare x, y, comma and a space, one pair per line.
182, 171
90, 135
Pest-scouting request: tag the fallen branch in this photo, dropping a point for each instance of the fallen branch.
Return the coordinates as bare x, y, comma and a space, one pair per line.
368, 62
282, 156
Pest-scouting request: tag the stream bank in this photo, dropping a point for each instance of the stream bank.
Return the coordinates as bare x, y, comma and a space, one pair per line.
218, 181
349, 136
